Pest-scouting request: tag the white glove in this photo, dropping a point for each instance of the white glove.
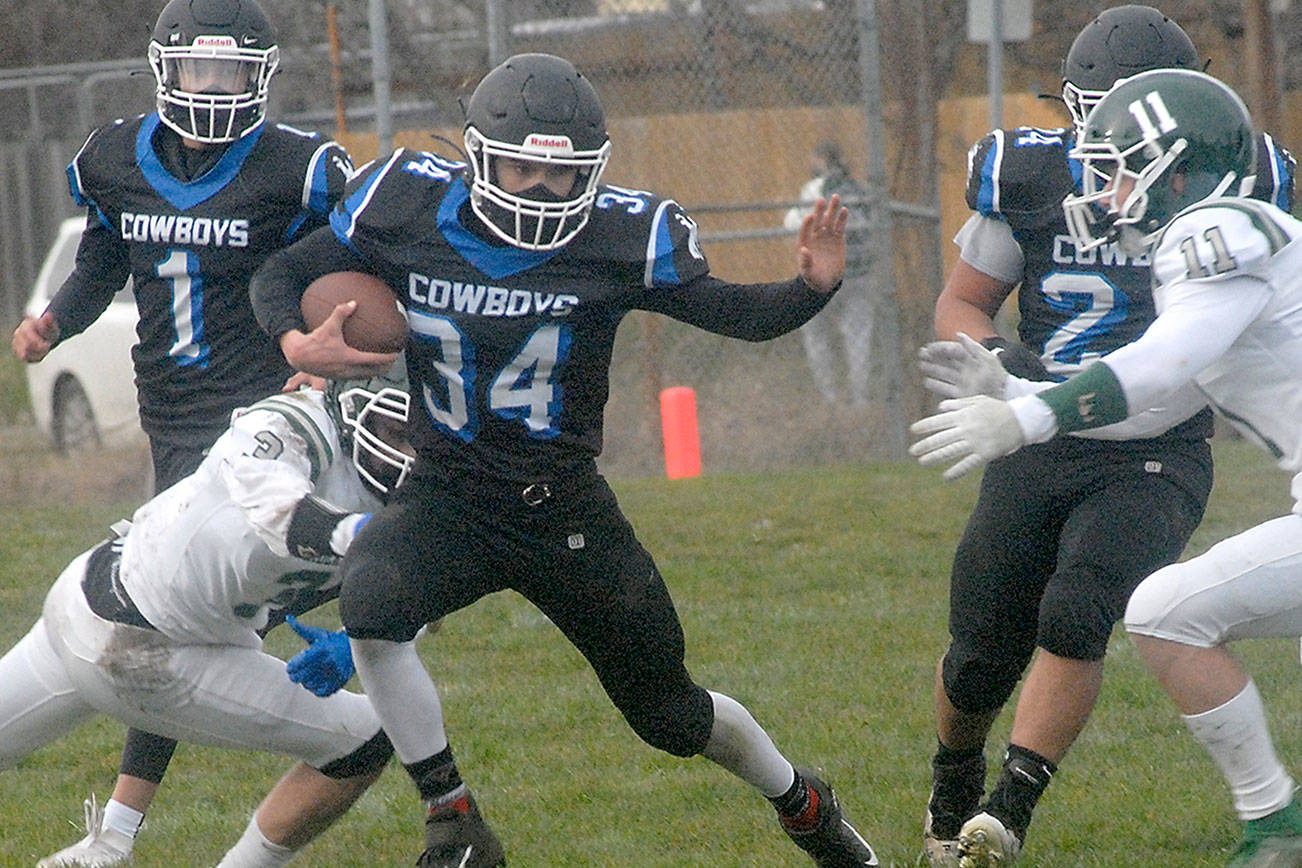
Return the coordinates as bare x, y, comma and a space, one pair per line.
962, 368
968, 431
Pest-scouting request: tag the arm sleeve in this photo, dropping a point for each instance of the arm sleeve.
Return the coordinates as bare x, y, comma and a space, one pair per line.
276, 288
750, 311
102, 269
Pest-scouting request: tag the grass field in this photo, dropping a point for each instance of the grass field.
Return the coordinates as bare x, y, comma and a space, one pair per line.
817, 598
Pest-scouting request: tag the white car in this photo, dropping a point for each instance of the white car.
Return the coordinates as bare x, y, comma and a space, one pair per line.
83, 393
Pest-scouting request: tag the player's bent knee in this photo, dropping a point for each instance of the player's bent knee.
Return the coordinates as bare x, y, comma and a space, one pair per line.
679, 724
367, 760
371, 605
975, 683
1165, 607
1081, 635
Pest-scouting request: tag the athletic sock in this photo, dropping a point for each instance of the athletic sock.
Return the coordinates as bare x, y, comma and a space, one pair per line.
958, 778
123, 819
1021, 783
1236, 735
436, 776
253, 850
798, 806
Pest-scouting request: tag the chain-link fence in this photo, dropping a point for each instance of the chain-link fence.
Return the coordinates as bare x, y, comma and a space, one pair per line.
716, 103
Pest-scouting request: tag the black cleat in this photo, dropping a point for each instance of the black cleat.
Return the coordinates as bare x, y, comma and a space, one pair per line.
833, 843
456, 836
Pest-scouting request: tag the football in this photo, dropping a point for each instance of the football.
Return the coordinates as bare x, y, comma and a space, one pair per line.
377, 325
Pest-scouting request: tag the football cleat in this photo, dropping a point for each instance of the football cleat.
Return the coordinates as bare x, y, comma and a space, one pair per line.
937, 852
456, 836
956, 789
1273, 841
984, 842
100, 848
833, 843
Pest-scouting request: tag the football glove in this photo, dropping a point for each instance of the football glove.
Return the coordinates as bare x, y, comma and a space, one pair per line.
326, 664
1018, 359
962, 368
969, 432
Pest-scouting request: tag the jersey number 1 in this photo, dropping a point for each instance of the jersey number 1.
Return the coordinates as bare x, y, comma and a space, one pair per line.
181, 271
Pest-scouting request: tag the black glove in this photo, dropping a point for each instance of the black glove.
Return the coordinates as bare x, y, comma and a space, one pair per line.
1017, 359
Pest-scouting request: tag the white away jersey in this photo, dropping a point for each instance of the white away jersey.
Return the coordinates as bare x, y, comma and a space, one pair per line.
1227, 283
206, 560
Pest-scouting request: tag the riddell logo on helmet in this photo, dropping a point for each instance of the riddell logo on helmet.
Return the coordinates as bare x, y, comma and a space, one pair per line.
539, 142
214, 41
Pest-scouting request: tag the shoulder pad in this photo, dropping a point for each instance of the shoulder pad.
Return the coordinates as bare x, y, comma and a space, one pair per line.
1018, 171
644, 230
1220, 238
388, 195
106, 154
303, 413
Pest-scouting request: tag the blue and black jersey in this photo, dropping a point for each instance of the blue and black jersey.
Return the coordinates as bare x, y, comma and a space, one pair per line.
509, 351
190, 245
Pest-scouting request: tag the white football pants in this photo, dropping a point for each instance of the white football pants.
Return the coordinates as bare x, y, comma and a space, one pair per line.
74, 664
1249, 585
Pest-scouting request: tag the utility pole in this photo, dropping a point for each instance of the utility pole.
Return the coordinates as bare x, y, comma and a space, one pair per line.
379, 23
1261, 58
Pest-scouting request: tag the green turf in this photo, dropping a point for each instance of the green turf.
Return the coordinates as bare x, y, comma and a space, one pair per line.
817, 598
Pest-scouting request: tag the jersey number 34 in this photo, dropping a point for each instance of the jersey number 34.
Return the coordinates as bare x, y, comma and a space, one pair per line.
526, 388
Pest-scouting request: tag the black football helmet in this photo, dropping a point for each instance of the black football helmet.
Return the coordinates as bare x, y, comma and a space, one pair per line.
1120, 42
371, 416
1179, 135
535, 107
213, 61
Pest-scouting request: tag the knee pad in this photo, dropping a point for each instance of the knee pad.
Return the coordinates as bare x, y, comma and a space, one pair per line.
677, 722
373, 601
978, 680
1162, 606
370, 758
1076, 619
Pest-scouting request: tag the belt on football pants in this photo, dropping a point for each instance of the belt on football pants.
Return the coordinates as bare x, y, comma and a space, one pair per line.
102, 586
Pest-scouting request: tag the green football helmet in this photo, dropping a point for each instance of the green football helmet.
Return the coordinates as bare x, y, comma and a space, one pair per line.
1157, 143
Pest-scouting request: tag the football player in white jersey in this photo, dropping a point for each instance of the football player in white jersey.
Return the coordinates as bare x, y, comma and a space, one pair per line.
147, 626
1167, 155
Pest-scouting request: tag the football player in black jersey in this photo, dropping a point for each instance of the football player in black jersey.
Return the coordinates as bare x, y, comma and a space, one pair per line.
1062, 532
515, 269
186, 202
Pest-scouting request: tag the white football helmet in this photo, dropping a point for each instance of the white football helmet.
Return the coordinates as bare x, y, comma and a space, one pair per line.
372, 419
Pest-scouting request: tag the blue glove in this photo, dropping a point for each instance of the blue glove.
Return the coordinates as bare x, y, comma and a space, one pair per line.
326, 664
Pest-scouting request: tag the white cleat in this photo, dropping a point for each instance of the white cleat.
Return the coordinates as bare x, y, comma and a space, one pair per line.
983, 842
101, 848
937, 852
